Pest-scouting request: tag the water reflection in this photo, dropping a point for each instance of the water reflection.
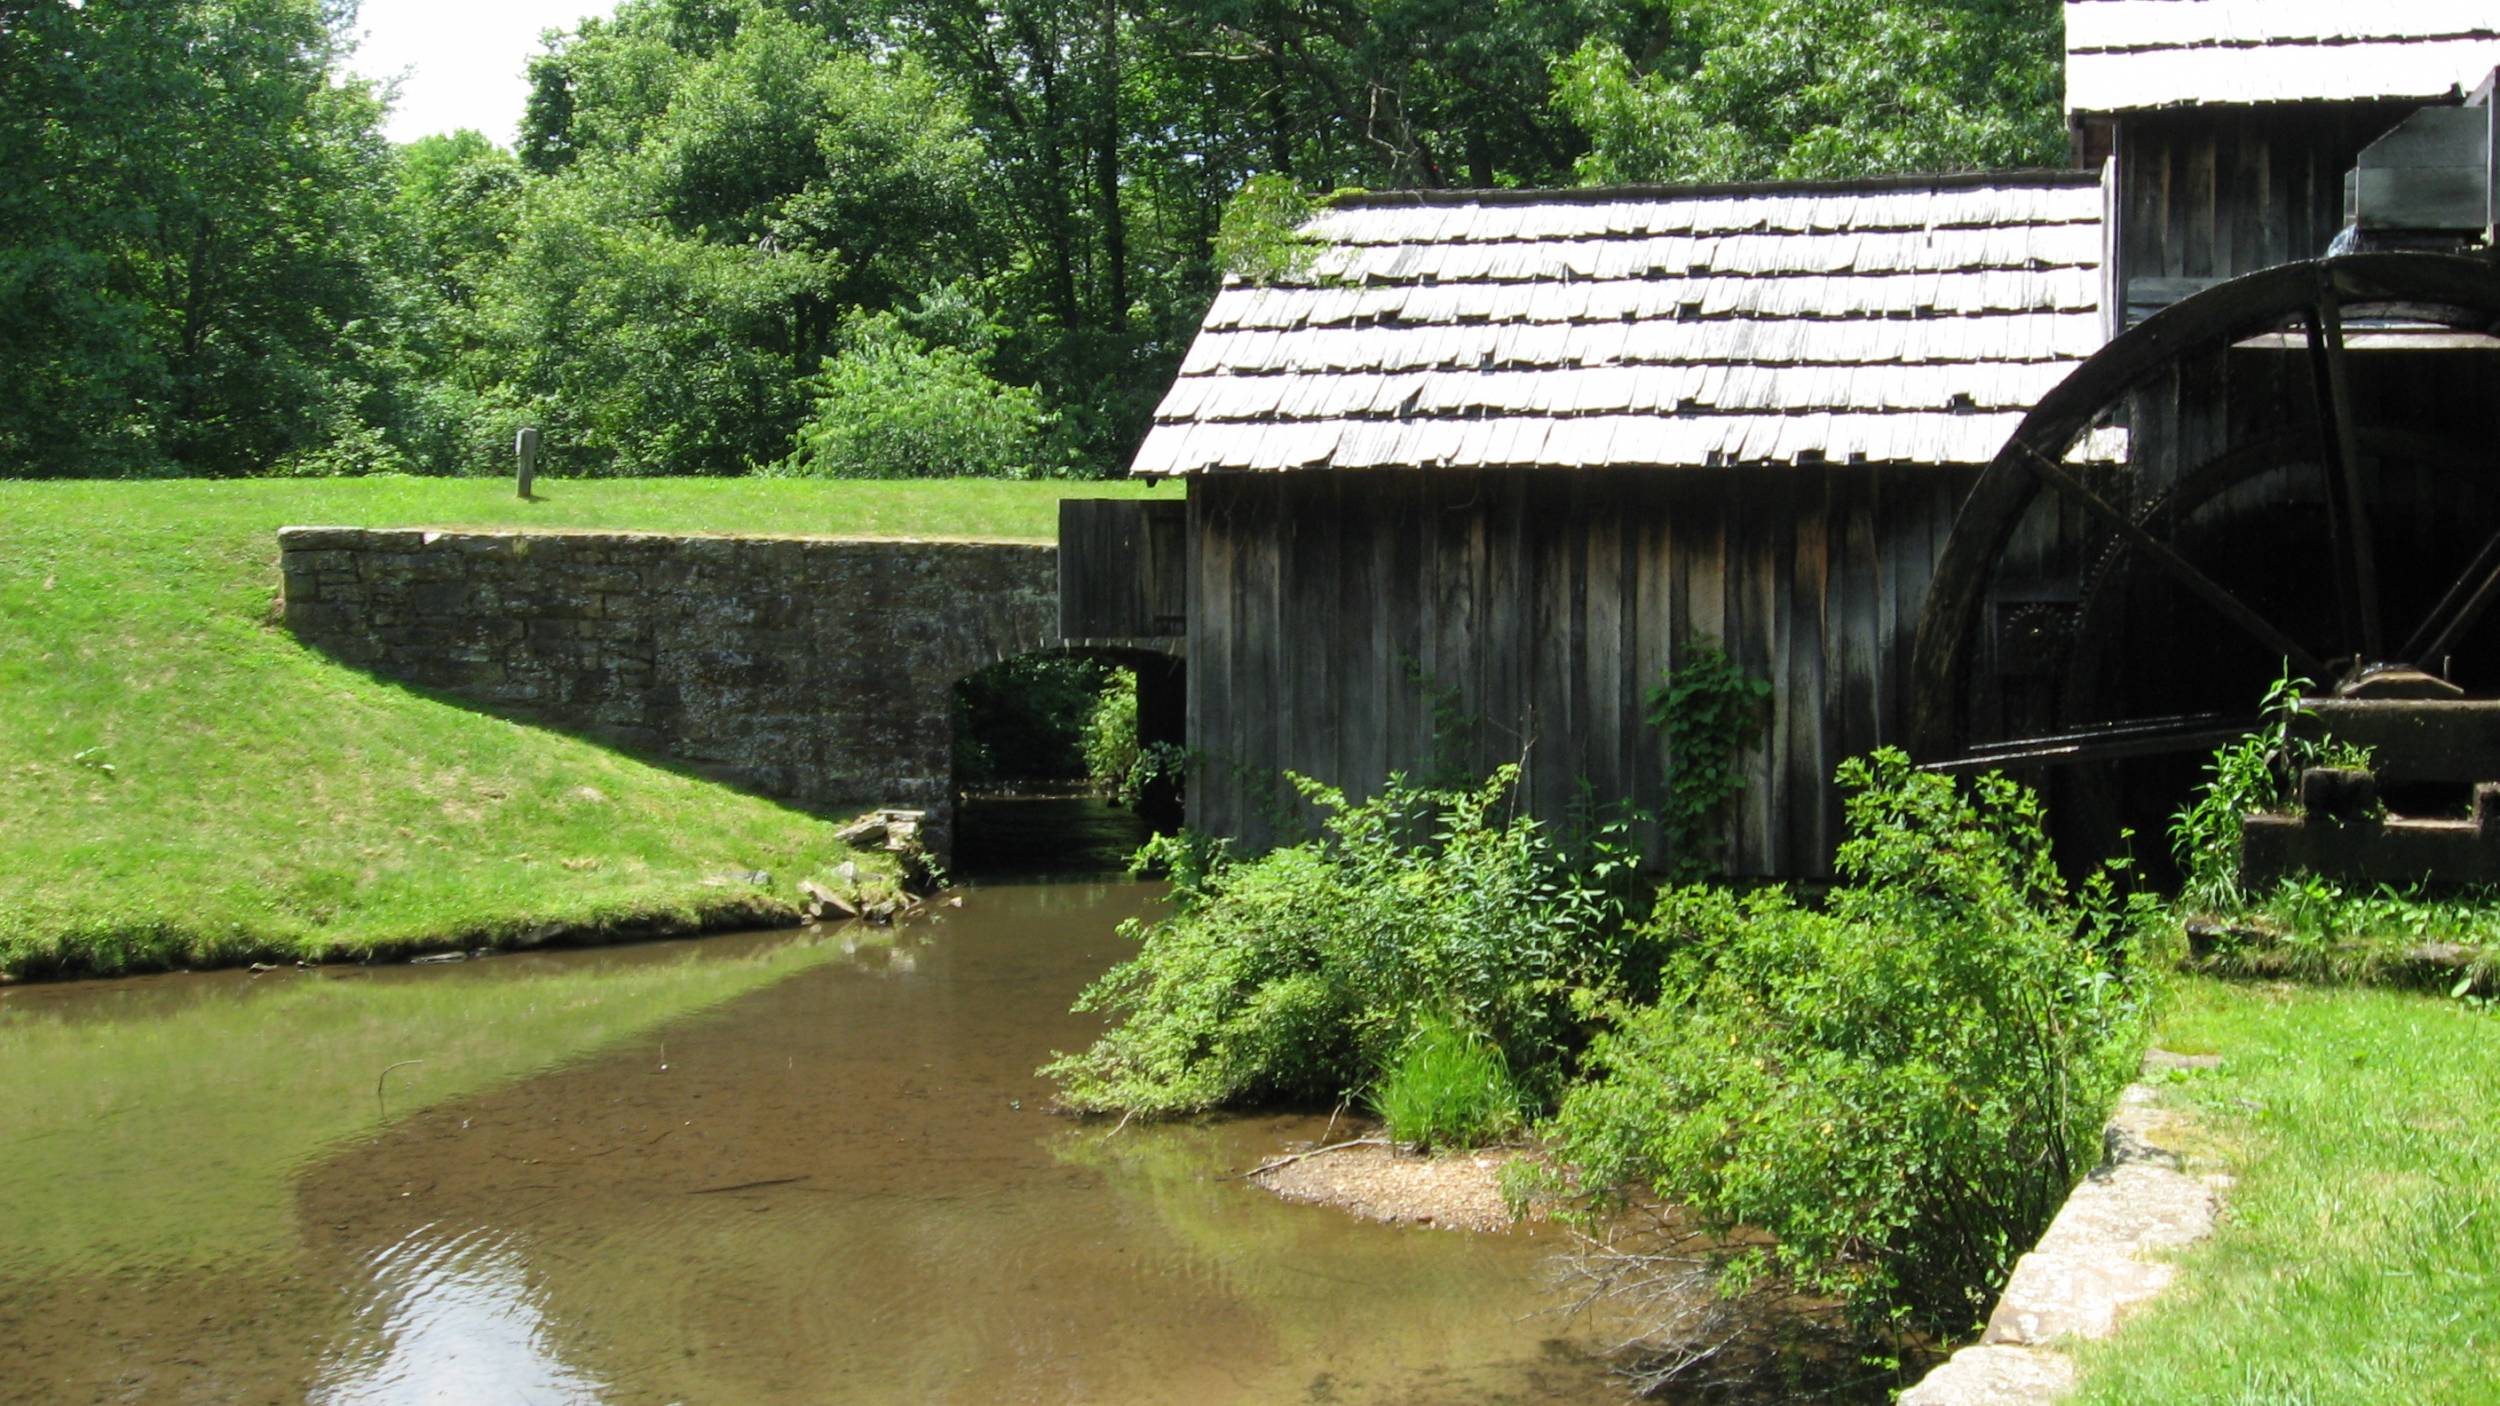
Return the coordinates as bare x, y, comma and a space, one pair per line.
450, 1320
840, 1186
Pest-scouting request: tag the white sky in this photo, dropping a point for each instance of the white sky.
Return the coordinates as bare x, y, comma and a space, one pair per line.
462, 63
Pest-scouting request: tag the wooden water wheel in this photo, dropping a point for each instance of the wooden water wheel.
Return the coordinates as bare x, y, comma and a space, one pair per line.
2310, 482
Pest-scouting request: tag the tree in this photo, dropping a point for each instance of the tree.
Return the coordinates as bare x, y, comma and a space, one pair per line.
636, 349
725, 187
189, 235
1752, 89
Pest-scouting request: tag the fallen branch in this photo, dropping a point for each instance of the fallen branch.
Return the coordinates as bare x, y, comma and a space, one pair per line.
745, 1186
1292, 1157
378, 1100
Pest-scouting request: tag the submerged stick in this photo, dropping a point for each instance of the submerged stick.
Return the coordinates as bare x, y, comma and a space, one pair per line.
1292, 1157
378, 1100
744, 1186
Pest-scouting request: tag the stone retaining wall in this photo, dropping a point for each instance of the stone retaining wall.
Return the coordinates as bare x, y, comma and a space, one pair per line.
813, 669
2107, 1253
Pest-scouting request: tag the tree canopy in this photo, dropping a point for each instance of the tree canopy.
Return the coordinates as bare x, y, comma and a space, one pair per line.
725, 221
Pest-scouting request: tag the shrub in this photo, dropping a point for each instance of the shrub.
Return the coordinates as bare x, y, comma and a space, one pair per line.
1448, 1087
1899, 1087
891, 406
2260, 772
1303, 973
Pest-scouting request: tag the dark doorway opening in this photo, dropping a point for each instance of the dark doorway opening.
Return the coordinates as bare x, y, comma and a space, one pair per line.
1067, 762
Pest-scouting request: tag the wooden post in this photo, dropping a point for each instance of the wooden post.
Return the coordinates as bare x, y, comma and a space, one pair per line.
525, 448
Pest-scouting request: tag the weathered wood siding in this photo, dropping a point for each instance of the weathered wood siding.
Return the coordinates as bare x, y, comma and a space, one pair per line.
1122, 568
1350, 624
2207, 194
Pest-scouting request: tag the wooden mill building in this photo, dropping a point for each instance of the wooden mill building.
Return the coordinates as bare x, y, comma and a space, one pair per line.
1464, 489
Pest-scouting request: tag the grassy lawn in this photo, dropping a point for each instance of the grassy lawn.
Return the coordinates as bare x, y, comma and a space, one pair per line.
2359, 1258
182, 784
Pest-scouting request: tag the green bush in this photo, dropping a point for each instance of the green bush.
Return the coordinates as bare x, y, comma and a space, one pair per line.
1899, 1087
2260, 772
1448, 1087
891, 406
1303, 973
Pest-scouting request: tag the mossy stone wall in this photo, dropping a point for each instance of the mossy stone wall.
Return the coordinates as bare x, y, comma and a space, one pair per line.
813, 669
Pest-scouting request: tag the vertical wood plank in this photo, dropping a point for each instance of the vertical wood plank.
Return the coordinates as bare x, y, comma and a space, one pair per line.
1653, 565
1404, 524
1215, 801
1813, 721
1257, 645
1508, 584
1456, 589
1317, 621
1752, 638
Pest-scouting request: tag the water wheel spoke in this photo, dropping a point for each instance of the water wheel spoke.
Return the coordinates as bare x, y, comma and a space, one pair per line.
2179, 568
2459, 610
2104, 742
2339, 453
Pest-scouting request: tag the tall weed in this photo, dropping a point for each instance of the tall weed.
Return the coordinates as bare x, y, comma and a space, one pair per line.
2259, 772
1448, 1087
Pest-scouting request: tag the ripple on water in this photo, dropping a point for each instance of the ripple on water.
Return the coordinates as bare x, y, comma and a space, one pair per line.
450, 1318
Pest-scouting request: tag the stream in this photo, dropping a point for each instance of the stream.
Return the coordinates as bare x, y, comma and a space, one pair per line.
766, 1168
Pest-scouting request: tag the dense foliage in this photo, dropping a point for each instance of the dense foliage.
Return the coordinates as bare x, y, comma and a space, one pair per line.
1305, 973
1761, 89
210, 263
1027, 722
1899, 1086
1113, 752
191, 237
889, 405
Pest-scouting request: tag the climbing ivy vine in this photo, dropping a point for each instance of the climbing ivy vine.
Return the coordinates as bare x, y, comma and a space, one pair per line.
1711, 713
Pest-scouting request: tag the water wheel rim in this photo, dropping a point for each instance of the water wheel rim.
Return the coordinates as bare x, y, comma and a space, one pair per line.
2456, 290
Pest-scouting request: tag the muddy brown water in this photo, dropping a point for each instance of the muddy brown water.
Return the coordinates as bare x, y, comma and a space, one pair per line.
831, 1179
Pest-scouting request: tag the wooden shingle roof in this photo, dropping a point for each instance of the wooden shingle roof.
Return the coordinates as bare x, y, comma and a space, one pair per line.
1896, 321
2124, 55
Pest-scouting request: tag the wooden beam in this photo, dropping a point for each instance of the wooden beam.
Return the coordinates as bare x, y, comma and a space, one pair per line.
2185, 572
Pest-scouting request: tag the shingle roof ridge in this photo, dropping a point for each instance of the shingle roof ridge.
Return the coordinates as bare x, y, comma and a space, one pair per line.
2038, 177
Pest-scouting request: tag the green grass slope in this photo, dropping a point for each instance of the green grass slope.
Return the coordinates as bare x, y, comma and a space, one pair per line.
181, 783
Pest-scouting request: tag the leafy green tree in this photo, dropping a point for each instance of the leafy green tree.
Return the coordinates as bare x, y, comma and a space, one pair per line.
459, 196
723, 186
892, 406
638, 350
189, 236
1751, 89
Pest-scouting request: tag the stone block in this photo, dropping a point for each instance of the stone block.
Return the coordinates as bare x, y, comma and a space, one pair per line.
313, 539
1995, 1376
2054, 1297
